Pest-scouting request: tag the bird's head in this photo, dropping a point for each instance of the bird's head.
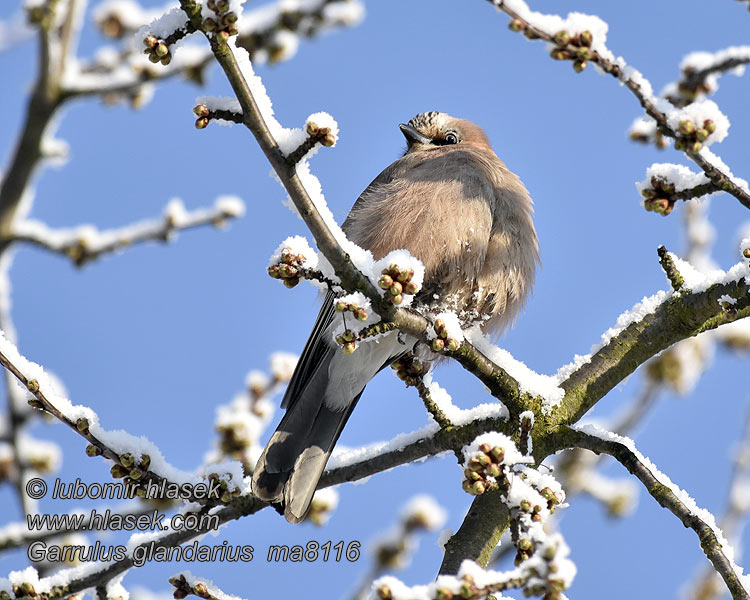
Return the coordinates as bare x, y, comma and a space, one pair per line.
435, 129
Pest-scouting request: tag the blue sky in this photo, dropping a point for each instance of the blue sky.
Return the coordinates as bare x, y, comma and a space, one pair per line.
154, 339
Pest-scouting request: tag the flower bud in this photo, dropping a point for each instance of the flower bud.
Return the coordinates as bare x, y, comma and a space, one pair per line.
585, 38
161, 49
695, 147
466, 486
493, 470
517, 25
396, 288
384, 592
209, 25
410, 288
360, 314
202, 123
340, 306
438, 345
165, 60
200, 590
562, 38
385, 282
82, 425
452, 344
524, 545
486, 448
397, 299
687, 127
443, 594
222, 37
478, 488
201, 110
709, 125
126, 460
474, 465
328, 140
498, 454
92, 450
222, 5
150, 41
579, 65
701, 135
559, 54
291, 282
118, 471
145, 461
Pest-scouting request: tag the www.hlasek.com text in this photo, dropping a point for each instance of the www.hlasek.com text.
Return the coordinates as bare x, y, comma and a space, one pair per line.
108, 520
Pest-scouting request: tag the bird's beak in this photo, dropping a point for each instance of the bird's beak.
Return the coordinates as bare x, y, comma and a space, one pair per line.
413, 136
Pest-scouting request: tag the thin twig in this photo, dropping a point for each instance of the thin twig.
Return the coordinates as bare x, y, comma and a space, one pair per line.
720, 179
664, 495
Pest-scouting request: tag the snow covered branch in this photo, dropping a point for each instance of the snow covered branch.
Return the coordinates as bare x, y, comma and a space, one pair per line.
668, 495
582, 40
664, 319
708, 584
85, 243
137, 462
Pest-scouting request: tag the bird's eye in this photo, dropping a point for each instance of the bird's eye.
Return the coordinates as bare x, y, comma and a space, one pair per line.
451, 138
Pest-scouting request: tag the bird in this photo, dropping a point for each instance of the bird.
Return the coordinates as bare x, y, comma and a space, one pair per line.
454, 205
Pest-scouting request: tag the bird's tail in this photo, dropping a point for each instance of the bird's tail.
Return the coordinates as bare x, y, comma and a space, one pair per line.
294, 458
324, 389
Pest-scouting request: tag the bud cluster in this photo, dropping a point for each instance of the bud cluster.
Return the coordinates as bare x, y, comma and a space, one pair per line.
442, 341
157, 50
690, 87
408, 369
182, 589
227, 495
132, 472
321, 134
359, 313
691, 136
206, 115
484, 469
22, 590
347, 340
225, 24
40, 14
575, 47
397, 282
288, 269
658, 198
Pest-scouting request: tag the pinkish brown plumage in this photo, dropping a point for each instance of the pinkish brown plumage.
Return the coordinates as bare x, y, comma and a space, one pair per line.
452, 203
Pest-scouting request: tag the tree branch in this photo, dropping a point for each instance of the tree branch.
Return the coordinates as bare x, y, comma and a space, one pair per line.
85, 244
718, 177
711, 539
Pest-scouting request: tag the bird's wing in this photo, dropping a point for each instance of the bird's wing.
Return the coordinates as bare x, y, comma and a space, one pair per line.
317, 346
313, 353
